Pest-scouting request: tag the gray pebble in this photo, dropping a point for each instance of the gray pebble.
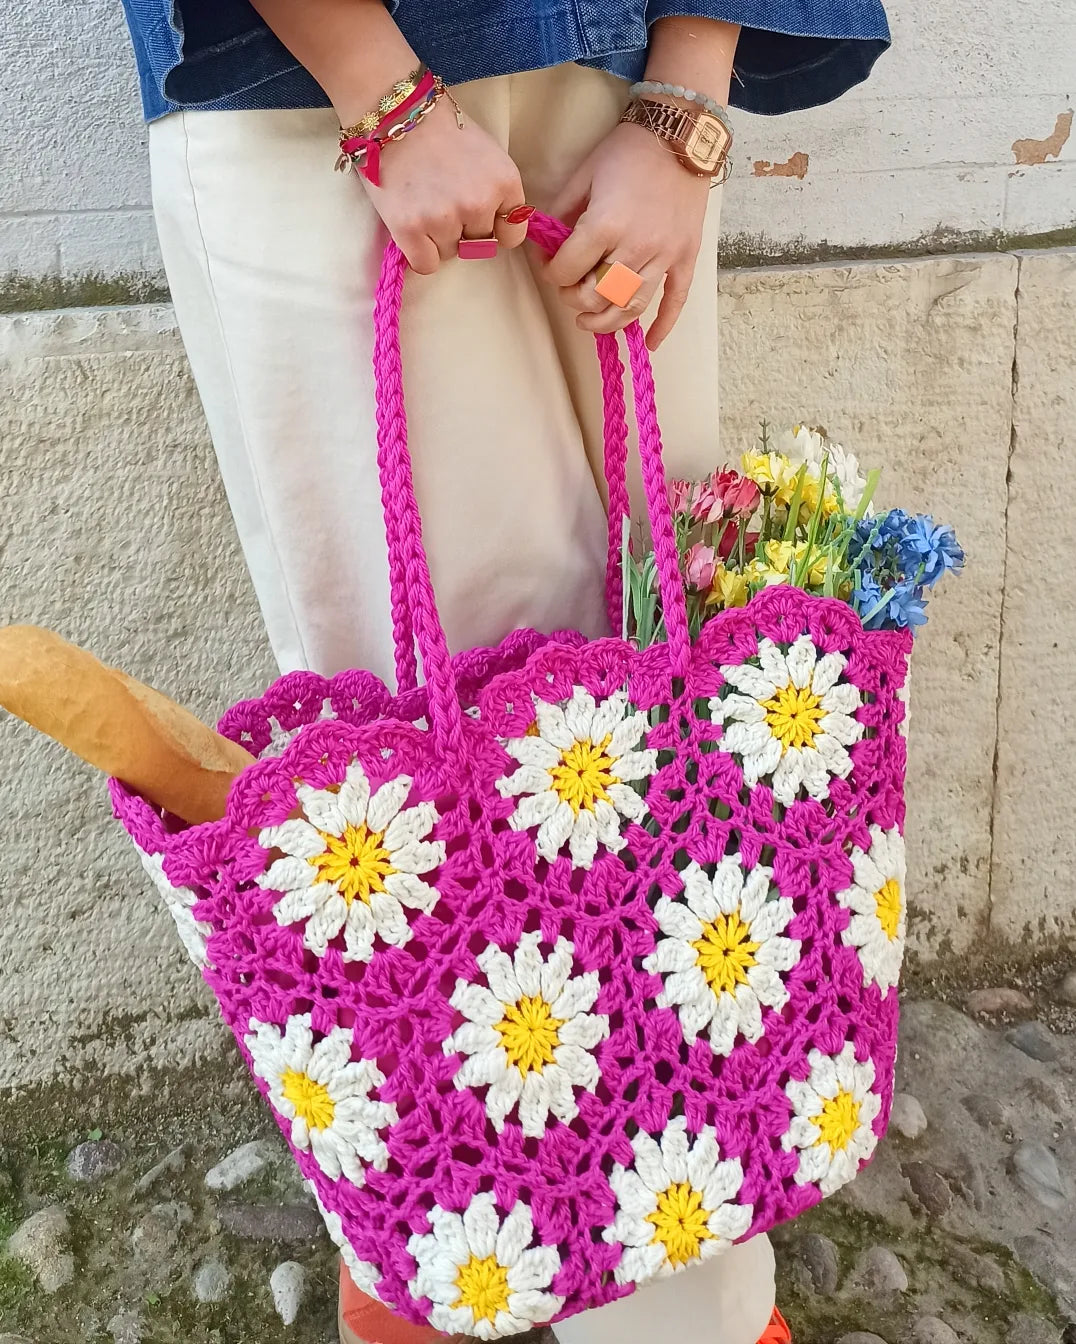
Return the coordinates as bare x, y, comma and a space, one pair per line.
819, 1256
125, 1328
287, 1283
1047, 1093
94, 1161
967, 1175
930, 1188
908, 1117
978, 1270
878, 1271
988, 1111
271, 1222
1035, 1171
930, 1330
156, 1234
861, 1337
240, 1166
1025, 1329
1035, 1040
1066, 991
172, 1162
998, 1000
42, 1244
211, 1281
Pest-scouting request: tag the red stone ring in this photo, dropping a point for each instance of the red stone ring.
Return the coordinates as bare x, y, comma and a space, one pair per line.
519, 214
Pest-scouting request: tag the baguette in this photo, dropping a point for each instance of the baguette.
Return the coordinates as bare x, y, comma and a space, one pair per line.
118, 724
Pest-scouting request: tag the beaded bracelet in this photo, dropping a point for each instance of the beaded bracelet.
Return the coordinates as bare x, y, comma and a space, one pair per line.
652, 86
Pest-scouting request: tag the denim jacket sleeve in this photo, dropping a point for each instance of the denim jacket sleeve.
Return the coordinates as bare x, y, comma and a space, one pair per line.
792, 53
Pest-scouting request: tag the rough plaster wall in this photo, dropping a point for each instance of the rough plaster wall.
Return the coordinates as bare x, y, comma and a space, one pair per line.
1034, 890
910, 364
113, 531
925, 145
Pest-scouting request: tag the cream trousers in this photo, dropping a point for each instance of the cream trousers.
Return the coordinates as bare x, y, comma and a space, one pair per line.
272, 260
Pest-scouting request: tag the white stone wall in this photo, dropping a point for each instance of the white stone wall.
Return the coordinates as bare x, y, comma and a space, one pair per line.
925, 147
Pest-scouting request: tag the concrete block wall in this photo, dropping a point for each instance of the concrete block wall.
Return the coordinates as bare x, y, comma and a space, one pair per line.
953, 373
963, 131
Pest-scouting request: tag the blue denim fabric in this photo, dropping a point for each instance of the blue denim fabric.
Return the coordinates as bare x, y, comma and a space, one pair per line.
792, 53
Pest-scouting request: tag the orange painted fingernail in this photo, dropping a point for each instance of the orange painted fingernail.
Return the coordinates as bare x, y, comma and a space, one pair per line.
618, 283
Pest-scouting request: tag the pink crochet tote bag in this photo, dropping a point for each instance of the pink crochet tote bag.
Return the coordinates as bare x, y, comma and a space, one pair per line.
576, 965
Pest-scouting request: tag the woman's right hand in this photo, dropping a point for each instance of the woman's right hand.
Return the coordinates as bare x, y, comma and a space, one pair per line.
440, 184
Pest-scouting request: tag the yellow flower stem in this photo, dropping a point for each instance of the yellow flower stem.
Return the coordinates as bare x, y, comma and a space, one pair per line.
794, 577
794, 506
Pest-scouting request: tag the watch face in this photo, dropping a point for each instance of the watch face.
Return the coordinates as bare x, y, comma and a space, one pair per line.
708, 143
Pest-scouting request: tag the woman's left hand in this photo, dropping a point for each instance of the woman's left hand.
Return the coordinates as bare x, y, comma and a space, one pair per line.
634, 202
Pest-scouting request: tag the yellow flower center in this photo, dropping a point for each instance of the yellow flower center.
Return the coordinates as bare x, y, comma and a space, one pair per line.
726, 953
583, 775
794, 715
311, 1100
356, 863
888, 902
838, 1122
680, 1223
483, 1286
530, 1033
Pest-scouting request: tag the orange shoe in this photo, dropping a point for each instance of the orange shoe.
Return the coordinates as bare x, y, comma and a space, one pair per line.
363, 1320
777, 1332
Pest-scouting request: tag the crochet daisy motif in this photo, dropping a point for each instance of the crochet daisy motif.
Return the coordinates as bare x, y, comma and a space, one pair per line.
723, 952
530, 1034
354, 864
675, 1204
365, 1275
833, 1121
575, 769
180, 901
324, 1094
790, 719
482, 1274
879, 915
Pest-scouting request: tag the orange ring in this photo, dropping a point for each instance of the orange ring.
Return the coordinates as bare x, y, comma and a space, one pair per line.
617, 283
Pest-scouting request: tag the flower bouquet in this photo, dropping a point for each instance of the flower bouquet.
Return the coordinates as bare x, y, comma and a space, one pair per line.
799, 514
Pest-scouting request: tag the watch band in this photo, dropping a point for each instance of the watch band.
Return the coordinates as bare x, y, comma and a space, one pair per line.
683, 131
666, 120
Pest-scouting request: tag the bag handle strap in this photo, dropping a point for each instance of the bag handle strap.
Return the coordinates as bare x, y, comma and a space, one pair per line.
414, 607
619, 512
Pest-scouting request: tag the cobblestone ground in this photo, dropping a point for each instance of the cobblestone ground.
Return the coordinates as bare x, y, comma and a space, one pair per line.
170, 1213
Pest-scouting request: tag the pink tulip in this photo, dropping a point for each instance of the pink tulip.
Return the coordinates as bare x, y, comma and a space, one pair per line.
726, 494
742, 497
700, 564
680, 493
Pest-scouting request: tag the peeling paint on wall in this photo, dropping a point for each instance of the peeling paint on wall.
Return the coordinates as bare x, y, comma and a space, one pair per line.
1038, 151
796, 166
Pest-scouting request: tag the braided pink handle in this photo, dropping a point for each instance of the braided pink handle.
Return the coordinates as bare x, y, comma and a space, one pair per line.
414, 609
616, 476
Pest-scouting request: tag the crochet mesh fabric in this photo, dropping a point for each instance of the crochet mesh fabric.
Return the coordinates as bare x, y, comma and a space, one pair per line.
579, 964
437, 1147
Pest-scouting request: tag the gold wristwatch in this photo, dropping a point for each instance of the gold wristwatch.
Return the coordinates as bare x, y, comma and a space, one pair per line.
700, 140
